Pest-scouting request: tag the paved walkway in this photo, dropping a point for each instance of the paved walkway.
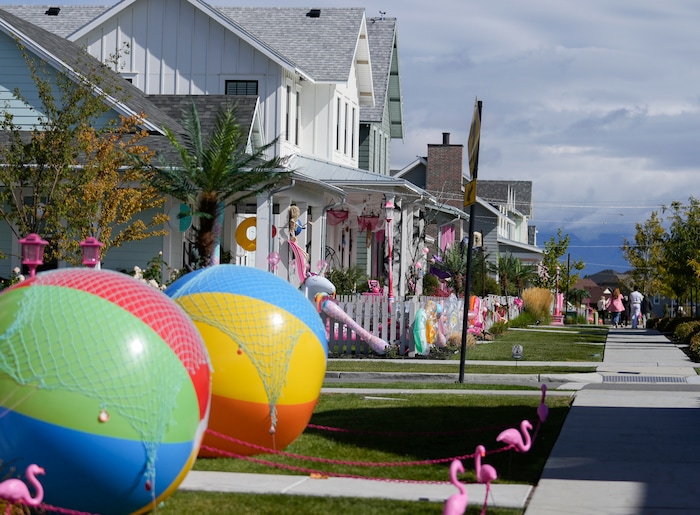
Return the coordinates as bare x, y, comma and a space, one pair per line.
627, 446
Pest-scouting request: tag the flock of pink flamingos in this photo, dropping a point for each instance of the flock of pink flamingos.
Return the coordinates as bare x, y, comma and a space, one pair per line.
15, 491
518, 440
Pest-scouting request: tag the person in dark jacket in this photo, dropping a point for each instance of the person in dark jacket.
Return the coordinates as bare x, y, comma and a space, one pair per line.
646, 310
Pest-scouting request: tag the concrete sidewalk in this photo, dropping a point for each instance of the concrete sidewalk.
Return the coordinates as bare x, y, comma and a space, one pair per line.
627, 445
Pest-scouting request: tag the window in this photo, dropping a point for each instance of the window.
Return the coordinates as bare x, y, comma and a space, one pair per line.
345, 133
241, 87
287, 113
337, 126
352, 134
375, 151
297, 124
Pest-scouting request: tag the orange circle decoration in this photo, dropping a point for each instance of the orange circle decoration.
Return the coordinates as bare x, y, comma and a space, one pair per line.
245, 234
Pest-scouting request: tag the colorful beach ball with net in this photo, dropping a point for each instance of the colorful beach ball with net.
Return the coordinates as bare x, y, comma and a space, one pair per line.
106, 384
268, 349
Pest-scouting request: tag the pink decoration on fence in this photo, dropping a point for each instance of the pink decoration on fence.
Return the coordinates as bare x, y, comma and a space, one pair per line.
330, 308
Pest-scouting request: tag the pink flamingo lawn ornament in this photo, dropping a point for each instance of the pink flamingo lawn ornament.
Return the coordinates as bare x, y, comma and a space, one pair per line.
15, 491
515, 440
484, 473
456, 504
542, 412
542, 409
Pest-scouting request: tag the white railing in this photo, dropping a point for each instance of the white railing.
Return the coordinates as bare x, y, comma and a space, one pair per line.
394, 324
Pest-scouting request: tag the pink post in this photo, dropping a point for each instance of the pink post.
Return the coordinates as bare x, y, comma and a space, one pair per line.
389, 214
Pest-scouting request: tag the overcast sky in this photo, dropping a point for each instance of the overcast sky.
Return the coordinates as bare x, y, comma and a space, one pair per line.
596, 102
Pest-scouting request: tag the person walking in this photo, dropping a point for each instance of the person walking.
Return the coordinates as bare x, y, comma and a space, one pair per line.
601, 309
636, 299
615, 306
646, 310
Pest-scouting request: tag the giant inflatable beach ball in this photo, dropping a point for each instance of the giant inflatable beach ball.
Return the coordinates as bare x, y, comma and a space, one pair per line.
268, 349
105, 383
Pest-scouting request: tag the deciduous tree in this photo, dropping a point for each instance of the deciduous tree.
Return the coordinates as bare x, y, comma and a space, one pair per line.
64, 174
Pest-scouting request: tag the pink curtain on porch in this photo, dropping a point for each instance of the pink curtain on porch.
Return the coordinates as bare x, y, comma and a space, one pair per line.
368, 223
336, 217
447, 236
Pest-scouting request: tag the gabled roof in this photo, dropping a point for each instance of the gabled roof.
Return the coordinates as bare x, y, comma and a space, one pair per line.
496, 192
350, 178
69, 18
354, 180
208, 106
385, 73
321, 49
67, 57
323, 46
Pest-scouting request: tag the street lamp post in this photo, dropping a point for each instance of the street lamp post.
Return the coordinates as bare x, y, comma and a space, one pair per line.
389, 215
32, 252
90, 248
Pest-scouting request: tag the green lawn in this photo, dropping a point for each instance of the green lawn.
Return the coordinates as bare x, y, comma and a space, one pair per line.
395, 428
201, 503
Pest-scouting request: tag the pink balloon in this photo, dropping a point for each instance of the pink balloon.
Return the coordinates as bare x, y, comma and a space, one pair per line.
426, 250
273, 258
419, 265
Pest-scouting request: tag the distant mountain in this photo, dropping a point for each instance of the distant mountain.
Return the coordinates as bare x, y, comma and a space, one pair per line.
601, 253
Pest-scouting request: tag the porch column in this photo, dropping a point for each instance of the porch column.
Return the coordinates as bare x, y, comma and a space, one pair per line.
263, 231
314, 234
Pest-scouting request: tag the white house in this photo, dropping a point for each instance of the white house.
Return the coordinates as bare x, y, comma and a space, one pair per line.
312, 71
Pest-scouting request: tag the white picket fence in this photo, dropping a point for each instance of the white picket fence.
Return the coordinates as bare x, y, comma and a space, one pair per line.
394, 324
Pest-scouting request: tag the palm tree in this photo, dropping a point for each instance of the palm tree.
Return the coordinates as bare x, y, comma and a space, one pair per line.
513, 274
214, 172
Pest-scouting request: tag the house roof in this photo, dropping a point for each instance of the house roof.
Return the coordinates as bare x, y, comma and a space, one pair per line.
385, 74
496, 192
322, 49
69, 19
208, 106
67, 57
359, 184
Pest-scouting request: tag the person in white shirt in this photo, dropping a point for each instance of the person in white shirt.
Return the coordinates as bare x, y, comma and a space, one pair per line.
636, 299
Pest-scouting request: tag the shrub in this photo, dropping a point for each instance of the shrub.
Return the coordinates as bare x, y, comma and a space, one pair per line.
685, 330
668, 325
498, 328
524, 319
694, 348
538, 302
347, 281
431, 285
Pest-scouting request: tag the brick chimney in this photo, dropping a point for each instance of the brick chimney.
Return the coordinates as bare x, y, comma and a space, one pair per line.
444, 173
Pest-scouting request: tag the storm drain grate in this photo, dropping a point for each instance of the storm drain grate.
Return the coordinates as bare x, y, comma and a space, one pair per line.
643, 379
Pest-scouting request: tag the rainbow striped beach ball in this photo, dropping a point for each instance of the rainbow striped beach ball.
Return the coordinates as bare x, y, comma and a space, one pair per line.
106, 384
268, 349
